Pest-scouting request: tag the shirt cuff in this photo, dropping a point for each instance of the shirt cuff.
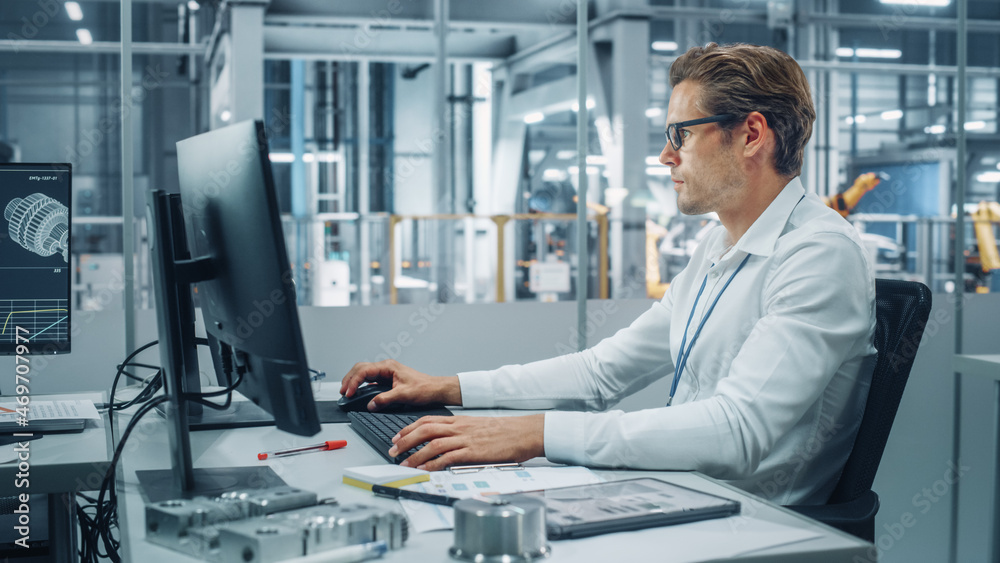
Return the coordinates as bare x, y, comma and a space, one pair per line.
477, 390
564, 437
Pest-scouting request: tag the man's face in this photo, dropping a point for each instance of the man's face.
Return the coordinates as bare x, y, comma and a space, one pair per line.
705, 171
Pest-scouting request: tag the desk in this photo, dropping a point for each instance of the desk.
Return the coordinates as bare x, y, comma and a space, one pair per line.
62, 465
322, 472
988, 366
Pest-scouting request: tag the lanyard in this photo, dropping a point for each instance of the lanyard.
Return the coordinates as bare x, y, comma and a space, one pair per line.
682, 357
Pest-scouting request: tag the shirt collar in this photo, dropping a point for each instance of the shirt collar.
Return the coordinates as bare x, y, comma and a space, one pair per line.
763, 234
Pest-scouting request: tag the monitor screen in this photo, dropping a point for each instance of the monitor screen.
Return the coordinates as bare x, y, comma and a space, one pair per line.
34, 257
247, 295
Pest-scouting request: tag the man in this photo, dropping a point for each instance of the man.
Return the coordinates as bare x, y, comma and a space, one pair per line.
765, 336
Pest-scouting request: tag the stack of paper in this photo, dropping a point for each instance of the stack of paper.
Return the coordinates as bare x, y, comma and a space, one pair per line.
426, 517
389, 475
46, 416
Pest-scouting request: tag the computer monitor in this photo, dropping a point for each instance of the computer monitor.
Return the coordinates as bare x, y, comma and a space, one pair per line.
222, 234
35, 273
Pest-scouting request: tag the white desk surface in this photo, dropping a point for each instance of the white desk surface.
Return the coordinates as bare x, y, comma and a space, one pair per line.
61, 462
322, 472
982, 365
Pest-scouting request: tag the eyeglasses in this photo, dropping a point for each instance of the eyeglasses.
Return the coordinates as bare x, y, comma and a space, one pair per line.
462, 469
316, 378
674, 130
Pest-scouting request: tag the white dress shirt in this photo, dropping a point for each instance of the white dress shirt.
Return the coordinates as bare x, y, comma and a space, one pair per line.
774, 388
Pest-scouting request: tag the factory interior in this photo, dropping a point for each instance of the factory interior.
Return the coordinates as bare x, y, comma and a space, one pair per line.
429, 158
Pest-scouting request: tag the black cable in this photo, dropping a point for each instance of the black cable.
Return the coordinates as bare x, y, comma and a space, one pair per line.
107, 514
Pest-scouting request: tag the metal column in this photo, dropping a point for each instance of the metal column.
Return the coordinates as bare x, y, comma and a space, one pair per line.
441, 137
364, 179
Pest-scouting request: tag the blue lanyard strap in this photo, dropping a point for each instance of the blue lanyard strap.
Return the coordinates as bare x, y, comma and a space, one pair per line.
682, 357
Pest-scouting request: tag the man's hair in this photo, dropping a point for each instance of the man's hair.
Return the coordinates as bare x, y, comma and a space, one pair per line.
742, 78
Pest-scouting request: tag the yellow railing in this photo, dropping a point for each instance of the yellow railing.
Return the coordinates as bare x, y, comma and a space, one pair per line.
501, 222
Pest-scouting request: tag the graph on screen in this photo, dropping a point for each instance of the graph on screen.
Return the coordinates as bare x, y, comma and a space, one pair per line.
41, 320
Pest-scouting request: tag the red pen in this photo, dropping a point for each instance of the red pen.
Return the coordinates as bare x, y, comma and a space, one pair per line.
328, 445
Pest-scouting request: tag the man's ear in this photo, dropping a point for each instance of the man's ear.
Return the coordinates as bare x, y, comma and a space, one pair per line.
756, 133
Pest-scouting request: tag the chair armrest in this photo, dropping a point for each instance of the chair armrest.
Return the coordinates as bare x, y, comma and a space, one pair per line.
855, 516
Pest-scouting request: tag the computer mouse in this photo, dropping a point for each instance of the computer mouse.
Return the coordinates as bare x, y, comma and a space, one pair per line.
363, 396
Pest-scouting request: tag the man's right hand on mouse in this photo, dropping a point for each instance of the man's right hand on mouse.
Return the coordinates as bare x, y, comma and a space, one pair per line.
409, 386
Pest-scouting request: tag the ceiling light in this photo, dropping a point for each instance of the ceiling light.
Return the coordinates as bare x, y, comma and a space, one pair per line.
565, 155
590, 104
84, 36
226, 115
193, 6
658, 170
554, 175
652, 160
866, 53
934, 129
654, 112
922, 3
664, 45
534, 117
878, 53
281, 157
859, 119
988, 177
892, 114
975, 125
598, 159
73, 11
574, 170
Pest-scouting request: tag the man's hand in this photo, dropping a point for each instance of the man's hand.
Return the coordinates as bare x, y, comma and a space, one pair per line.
471, 439
409, 386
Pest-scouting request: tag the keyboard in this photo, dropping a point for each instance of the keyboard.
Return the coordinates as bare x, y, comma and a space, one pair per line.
378, 429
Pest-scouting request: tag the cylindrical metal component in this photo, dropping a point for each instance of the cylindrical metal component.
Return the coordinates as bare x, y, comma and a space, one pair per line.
507, 532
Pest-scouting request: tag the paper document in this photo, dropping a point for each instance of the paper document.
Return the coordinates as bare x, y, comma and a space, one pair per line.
49, 410
46, 414
426, 517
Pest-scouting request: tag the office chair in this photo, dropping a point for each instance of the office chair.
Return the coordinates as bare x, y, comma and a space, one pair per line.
901, 311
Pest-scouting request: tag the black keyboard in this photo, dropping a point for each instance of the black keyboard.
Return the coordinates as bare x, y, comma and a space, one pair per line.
378, 429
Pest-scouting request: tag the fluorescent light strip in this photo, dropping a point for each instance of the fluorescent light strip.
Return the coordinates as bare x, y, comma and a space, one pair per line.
554, 175
658, 170
975, 125
84, 36
73, 11
922, 3
892, 114
590, 104
652, 161
867, 53
664, 45
534, 117
654, 112
988, 177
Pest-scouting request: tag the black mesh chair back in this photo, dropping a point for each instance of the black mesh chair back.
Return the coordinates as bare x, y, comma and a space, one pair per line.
901, 311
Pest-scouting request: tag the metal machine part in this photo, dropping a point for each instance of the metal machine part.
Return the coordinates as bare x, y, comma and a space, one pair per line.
191, 526
500, 532
39, 224
309, 531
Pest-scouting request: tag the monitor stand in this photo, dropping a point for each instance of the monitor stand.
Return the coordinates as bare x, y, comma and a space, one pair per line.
157, 485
